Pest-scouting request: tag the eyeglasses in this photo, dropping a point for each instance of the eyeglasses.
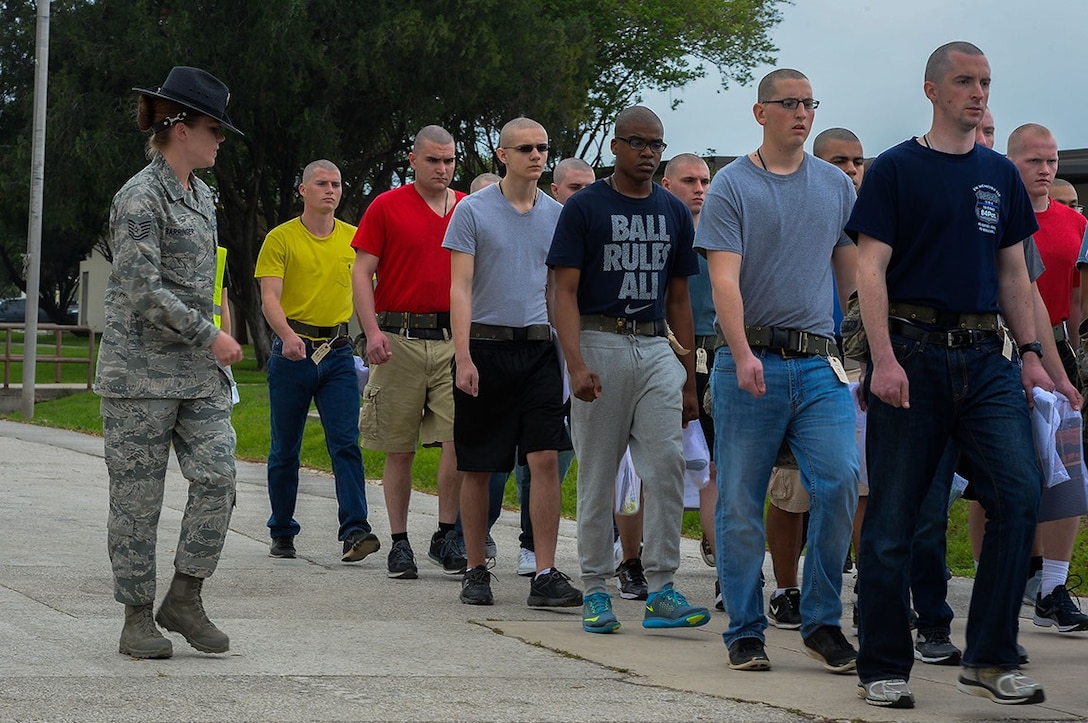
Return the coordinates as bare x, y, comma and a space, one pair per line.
791, 103
529, 148
637, 144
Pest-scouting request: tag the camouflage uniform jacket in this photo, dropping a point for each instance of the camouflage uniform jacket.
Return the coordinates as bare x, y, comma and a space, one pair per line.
159, 326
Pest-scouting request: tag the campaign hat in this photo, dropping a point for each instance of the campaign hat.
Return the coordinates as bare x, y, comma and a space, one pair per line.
197, 90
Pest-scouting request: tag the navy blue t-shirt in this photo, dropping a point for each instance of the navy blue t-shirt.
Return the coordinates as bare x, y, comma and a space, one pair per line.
627, 249
945, 217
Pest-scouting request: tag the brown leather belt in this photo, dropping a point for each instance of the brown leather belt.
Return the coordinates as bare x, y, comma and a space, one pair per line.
318, 332
533, 332
942, 317
619, 325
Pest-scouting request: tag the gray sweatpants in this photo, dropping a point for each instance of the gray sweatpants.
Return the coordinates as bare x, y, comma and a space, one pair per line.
640, 405
138, 435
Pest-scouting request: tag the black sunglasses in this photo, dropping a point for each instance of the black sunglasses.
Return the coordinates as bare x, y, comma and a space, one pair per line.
528, 148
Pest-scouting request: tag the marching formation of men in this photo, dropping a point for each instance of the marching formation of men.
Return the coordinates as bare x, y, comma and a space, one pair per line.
508, 329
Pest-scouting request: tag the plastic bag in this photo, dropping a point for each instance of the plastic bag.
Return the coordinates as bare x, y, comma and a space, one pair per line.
362, 372
628, 487
1046, 423
696, 456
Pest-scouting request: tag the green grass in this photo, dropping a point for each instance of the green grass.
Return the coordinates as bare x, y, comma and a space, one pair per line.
72, 347
79, 412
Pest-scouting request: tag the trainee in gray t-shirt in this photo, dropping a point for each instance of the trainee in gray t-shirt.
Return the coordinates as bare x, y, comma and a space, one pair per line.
510, 249
785, 227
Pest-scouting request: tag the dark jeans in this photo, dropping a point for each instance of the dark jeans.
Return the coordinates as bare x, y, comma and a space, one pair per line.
333, 386
928, 562
973, 397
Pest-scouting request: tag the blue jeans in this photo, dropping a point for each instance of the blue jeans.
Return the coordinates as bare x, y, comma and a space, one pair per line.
972, 396
333, 386
808, 407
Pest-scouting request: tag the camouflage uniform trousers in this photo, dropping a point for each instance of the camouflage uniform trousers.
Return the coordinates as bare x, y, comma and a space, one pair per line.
138, 434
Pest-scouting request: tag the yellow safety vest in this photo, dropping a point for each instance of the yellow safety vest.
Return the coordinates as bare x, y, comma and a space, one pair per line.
220, 271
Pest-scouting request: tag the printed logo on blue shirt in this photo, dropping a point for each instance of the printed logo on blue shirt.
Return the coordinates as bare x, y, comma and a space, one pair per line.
987, 208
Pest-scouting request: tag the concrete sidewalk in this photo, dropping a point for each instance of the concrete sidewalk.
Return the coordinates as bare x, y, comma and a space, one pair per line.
313, 639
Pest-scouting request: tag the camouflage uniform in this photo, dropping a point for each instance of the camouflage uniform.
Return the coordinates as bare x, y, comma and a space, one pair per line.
159, 381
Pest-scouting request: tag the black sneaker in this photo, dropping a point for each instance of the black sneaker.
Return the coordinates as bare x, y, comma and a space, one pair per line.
1059, 610
446, 553
631, 580
282, 547
936, 648
359, 544
476, 587
553, 590
402, 561
748, 654
706, 551
785, 610
718, 604
829, 646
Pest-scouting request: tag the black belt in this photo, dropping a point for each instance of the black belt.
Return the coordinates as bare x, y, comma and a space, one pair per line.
619, 325
790, 342
983, 321
948, 338
432, 327
1060, 332
407, 320
533, 332
318, 332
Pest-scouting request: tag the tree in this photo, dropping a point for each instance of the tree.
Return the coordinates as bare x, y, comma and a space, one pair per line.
339, 80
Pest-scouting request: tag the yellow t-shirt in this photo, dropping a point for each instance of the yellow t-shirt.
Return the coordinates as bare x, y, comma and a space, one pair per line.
316, 272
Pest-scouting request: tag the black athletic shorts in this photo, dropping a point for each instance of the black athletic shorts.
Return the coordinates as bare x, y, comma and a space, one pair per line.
519, 406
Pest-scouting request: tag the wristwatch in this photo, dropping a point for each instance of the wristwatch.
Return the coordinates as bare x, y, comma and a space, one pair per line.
1034, 347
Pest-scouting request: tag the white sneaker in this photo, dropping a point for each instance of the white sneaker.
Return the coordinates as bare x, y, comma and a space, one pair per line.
526, 562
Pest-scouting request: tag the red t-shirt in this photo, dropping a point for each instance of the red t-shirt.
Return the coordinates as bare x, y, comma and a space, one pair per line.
1061, 230
406, 235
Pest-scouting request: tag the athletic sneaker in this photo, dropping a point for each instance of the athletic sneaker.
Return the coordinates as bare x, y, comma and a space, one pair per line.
597, 615
446, 554
282, 547
1022, 654
1031, 588
784, 610
670, 609
631, 580
1010, 687
553, 590
718, 604
476, 587
936, 648
706, 551
748, 654
1059, 610
892, 693
491, 550
526, 562
402, 561
829, 646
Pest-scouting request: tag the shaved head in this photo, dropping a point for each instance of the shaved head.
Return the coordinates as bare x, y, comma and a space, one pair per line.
567, 165
940, 61
435, 134
515, 125
308, 172
832, 134
636, 115
1018, 136
767, 85
482, 181
672, 168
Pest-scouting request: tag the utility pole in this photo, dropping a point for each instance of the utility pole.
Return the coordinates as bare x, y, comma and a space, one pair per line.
37, 191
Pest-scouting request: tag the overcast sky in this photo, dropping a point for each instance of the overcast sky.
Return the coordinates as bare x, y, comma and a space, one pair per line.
866, 58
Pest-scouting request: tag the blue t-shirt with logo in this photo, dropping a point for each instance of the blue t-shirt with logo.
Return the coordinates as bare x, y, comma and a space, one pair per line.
945, 217
626, 248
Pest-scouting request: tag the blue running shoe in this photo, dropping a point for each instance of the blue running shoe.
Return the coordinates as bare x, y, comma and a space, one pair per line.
670, 609
597, 615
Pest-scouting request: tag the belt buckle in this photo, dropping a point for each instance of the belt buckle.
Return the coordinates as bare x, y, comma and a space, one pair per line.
959, 337
621, 325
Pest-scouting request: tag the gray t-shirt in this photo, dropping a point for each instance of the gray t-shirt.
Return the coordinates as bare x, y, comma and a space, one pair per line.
510, 249
785, 229
1034, 260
